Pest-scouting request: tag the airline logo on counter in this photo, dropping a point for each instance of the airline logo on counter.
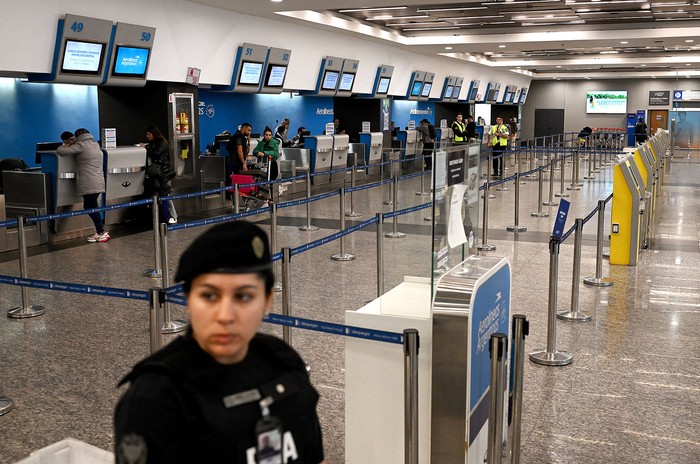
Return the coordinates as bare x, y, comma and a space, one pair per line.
324, 111
428, 111
206, 109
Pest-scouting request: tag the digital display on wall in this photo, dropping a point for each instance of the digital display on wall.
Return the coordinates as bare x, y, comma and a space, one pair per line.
330, 80
457, 90
251, 72
346, 81
472, 95
130, 61
415, 90
448, 91
426, 89
82, 57
509, 95
275, 75
606, 102
383, 86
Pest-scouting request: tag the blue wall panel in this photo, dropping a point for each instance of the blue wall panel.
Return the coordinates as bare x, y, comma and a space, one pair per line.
406, 110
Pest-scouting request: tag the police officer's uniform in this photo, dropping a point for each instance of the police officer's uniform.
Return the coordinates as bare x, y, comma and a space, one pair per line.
499, 142
459, 132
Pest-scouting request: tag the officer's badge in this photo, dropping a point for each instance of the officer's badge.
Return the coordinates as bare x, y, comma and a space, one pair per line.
258, 247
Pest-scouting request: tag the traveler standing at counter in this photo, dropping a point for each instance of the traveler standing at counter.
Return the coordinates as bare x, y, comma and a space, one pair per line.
470, 132
90, 179
282, 133
238, 148
269, 148
222, 392
298, 140
458, 130
160, 172
498, 142
428, 136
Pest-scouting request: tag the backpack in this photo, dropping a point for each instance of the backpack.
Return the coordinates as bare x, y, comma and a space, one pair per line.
431, 132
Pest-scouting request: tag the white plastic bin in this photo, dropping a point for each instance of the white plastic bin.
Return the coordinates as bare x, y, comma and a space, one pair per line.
69, 451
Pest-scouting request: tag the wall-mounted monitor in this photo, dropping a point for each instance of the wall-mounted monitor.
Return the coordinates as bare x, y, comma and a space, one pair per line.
448, 91
82, 57
426, 89
346, 81
251, 72
606, 102
383, 86
130, 61
275, 75
415, 90
457, 90
473, 94
330, 80
509, 96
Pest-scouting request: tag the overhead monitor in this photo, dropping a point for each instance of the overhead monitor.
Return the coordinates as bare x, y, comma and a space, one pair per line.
415, 90
275, 75
81, 57
251, 72
473, 94
426, 89
130, 61
509, 95
346, 81
457, 90
330, 80
383, 86
606, 102
448, 91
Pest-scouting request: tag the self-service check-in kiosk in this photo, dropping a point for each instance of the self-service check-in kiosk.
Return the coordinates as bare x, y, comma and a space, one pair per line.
125, 174
373, 142
321, 150
339, 160
295, 162
627, 211
356, 160
409, 141
444, 137
212, 175
27, 194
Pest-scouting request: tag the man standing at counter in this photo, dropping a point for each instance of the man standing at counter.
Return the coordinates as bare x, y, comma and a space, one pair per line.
498, 142
459, 131
238, 147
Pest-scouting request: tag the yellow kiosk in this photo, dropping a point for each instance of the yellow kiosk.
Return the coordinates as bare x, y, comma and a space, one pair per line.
627, 212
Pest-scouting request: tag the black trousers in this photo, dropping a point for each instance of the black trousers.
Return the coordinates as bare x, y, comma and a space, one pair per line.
497, 152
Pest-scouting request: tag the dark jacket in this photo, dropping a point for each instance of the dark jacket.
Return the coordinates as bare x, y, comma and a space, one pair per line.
160, 171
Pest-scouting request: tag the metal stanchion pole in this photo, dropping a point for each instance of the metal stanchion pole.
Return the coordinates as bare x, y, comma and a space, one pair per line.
562, 166
485, 246
574, 173
540, 187
155, 318
308, 226
521, 329
590, 175
516, 227
155, 272
273, 243
169, 326
236, 199
353, 180
342, 256
498, 347
6, 405
422, 192
395, 224
599, 280
577, 178
380, 254
393, 173
287, 292
551, 201
550, 356
411, 344
502, 187
574, 315
487, 192
26, 309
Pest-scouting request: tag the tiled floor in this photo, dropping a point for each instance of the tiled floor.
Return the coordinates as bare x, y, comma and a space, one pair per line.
632, 394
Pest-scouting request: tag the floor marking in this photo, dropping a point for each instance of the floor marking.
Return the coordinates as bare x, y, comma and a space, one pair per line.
607, 395
583, 440
690, 376
647, 435
673, 387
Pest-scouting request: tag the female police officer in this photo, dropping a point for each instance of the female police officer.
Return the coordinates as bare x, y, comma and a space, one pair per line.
222, 392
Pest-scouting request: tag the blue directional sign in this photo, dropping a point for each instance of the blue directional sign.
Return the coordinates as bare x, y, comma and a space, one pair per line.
560, 222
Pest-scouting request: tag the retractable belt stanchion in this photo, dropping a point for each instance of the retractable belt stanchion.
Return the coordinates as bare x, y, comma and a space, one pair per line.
6, 405
353, 180
590, 175
273, 243
155, 272
308, 226
521, 329
487, 192
550, 356
599, 280
393, 158
236, 199
498, 347
540, 202
342, 256
287, 292
485, 246
26, 310
411, 344
551, 201
155, 318
562, 166
574, 315
395, 224
574, 172
380, 254
169, 326
516, 227
422, 192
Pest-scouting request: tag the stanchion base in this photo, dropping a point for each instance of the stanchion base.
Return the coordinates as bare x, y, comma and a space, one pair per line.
579, 184
388, 202
573, 316
561, 195
516, 229
423, 194
308, 228
152, 273
492, 197
277, 287
502, 189
353, 214
576, 187
550, 203
486, 247
522, 182
428, 218
606, 255
6, 405
394, 235
555, 358
174, 327
343, 257
589, 177
21, 312
537, 214
598, 282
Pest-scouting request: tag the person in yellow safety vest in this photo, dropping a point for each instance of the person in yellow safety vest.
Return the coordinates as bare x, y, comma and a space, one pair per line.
459, 130
498, 142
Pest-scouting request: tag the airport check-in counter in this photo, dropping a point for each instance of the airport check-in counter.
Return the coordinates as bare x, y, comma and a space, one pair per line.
373, 142
125, 169
341, 145
646, 170
444, 137
627, 213
27, 194
294, 162
356, 159
409, 146
212, 174
321, 148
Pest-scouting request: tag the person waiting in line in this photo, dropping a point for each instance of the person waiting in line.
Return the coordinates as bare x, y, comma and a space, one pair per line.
282, 133
238, 147
470, 132
213, 394
513, 130
640, 131
298, 140
160, 171
268, 149
90, 180
428, 135
459, 130
498, 142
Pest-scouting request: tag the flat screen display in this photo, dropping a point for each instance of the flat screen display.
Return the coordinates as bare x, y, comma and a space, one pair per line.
275, 75
494, 97
448, 91
346, 81
472, 95
383, 86
508, 97
457, 90
251, 71
606, 102
130, 61
415, 90
330, 80
82, 57
426, 89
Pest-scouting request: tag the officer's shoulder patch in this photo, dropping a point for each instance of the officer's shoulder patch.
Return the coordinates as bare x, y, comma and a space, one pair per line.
132, 449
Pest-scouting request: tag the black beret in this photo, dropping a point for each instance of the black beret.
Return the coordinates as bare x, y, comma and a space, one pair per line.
236, 247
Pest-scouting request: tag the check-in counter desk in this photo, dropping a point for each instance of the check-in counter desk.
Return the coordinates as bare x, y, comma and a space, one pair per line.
444, 137
295, 162
373, 142
341, 145
212, 174
321, 150
125, 169
27, 194
409, 146
356, 160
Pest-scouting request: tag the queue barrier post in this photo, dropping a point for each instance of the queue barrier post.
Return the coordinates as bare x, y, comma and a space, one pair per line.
574, 315
273, 243
342, 256
422, 192
308, 226
589, 151
380, 254
484, 245
287, 292
411, 343
521, 329
574, 173
550, 201
489, 162
498, 348
156, 271
170, 326
353, 181
394, 158
26, 310
540, 188
6, 405
599, 280
516, 227
562, 173
236, 199
155, 318
394, 202
551, 356
502, 162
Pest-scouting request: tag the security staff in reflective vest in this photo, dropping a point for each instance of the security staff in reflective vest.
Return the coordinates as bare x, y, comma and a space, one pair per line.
498, 142
222, 393
459, 131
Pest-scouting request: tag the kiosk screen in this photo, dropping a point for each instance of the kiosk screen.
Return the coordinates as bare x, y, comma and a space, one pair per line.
346, 81
415, 90
426, 89
251, 72
330, 80
130, 61
275, 75
456, 91
383, 86
472, 95
81, 57
448, 91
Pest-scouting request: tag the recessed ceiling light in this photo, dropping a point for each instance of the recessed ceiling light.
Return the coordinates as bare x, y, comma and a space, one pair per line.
518, 67
448, 48
276, 1
642, 65
624, 42
687, 64
501, 46
689, 41
357, 10
558, 66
